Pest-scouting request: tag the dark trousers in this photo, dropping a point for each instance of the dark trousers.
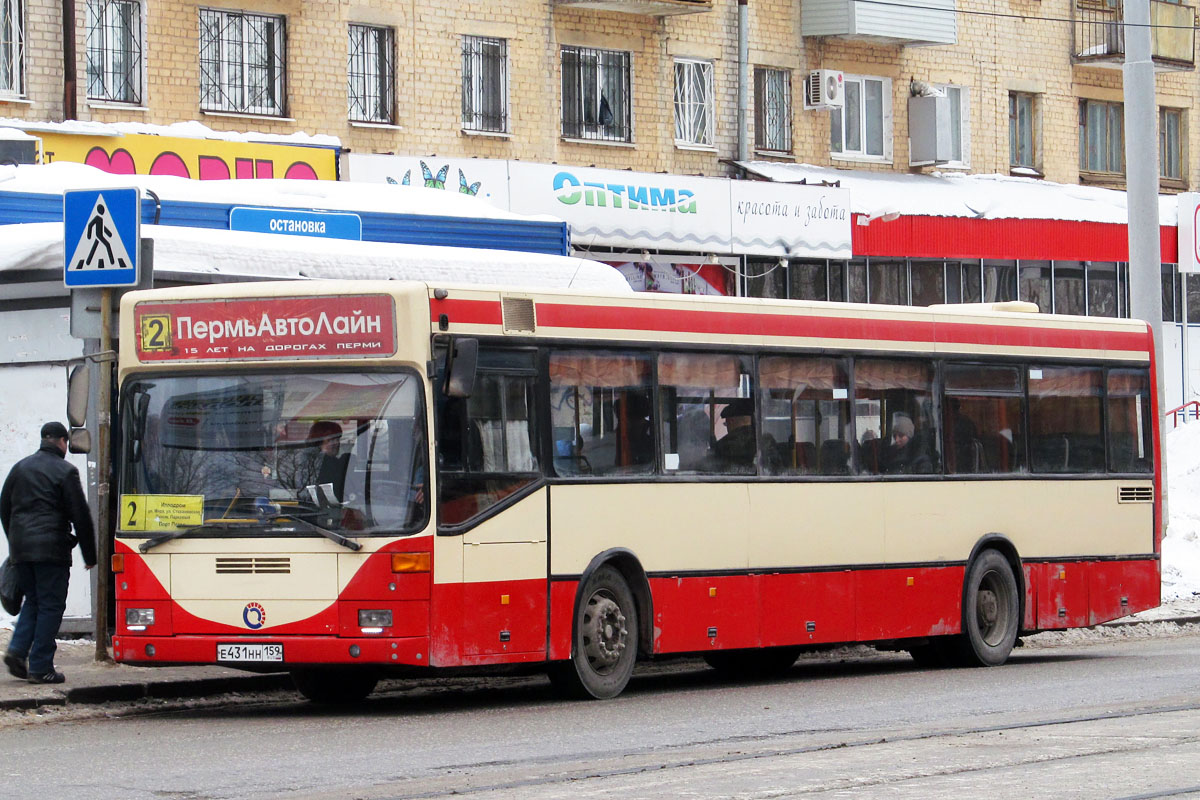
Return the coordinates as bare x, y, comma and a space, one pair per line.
45, 587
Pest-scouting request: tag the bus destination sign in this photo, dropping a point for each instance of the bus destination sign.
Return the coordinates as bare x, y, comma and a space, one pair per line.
356, 326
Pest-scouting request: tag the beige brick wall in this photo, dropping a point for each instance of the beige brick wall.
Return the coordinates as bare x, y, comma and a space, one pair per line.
993, 56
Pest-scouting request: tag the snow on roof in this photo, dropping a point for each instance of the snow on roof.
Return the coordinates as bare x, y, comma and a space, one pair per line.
185, 130
204, 251
279, 193
952, 194
14, 135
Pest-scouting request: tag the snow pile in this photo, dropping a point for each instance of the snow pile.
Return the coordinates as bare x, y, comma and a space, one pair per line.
950, 194
184, 130
1181, 546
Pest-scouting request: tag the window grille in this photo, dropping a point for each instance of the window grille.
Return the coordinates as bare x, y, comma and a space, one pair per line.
484, 84
595, 94
114, 50
773, 109
693, 102
242, 62
12, 47
371, 94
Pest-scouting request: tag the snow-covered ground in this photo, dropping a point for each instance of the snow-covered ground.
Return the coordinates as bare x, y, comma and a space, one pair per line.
1181, 547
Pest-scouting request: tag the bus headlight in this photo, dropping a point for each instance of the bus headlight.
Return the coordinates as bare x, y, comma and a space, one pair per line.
136, 619
375, 618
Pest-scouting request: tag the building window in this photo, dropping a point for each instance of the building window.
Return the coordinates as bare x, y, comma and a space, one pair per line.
1170, 144
595, 94
1022, 136
1101, 137
114, 50
694, 102
371, 94
960, 125
862, 127
241, 62
485, 84
773, 110
12, 47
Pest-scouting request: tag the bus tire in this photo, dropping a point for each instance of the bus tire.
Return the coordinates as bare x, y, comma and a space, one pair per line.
334, 686
604, 639
991, 612
767, 662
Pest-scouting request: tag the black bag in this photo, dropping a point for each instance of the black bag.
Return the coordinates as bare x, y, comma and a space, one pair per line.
10, 592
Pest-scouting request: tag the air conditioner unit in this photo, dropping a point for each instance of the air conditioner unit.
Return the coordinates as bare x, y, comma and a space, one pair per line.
824, 88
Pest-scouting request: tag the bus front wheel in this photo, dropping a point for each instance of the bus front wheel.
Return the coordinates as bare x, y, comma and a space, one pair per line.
604, 644
333, 686
991, 612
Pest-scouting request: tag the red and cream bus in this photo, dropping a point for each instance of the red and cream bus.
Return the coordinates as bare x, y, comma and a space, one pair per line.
351, 480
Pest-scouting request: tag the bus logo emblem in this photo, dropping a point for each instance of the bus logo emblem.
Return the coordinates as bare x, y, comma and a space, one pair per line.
254, 616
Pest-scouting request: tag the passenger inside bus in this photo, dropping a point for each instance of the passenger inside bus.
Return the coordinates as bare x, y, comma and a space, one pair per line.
905, 454
333, 463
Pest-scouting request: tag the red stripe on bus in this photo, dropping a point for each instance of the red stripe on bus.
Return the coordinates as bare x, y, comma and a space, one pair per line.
467, 312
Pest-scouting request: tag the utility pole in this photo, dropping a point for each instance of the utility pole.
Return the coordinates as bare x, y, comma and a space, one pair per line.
103, 475
1141, 181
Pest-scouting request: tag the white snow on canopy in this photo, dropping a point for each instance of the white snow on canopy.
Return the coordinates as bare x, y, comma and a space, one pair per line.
14, 135
184, 130
278, 193
205, 251
952, 194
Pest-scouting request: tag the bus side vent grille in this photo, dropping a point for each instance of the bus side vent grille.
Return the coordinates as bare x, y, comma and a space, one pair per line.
254, 565
1135, 494
519, 316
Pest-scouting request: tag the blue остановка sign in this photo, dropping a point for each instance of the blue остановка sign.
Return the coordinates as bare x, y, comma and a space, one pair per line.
322, 224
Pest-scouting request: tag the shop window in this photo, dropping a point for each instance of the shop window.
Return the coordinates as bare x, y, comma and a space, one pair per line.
709, 423
485, 84
808, 280
999, 281
806, 415
602, 414
773, 110
1193, 298
893, 417
114, 50
1130, 428
856, 281
1068, 288
1035, 284
596, 96
963, 282
1102, 289
1065, 434
837, 281
765, 278
372, 91
982, 417
242, 62
928, 282
888, 282
1171, 304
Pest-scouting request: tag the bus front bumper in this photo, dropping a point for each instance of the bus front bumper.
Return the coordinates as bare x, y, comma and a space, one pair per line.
296, 650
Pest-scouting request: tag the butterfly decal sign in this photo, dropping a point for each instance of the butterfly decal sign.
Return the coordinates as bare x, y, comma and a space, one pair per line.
438, 180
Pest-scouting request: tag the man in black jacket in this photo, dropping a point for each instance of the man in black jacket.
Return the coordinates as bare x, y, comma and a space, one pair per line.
41, 499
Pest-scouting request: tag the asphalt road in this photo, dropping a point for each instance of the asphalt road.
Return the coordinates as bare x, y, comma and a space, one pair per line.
1090, 719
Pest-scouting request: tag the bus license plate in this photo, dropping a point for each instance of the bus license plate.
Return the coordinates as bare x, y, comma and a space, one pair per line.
250, 652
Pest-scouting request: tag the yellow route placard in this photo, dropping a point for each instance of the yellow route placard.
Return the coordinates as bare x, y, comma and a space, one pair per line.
161, 512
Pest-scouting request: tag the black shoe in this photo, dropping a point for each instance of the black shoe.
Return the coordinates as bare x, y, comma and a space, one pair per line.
17, 667
50, 677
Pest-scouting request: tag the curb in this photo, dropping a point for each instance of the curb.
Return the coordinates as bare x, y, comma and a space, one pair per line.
127, 692
1120, 623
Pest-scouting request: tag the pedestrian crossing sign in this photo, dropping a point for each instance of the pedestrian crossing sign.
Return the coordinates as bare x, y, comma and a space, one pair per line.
102, 233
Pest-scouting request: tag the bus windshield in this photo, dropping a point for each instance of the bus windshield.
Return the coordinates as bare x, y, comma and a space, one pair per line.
345, 452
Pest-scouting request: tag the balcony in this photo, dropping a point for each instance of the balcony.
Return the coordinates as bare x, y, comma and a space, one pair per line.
903, 22
1099, 35
645, 8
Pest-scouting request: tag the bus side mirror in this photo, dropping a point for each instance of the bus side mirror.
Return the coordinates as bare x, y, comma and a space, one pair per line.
78, 386
460, 373
79, 441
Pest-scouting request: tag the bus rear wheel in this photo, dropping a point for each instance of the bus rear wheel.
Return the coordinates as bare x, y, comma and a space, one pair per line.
604, 645
334, 686
991, 612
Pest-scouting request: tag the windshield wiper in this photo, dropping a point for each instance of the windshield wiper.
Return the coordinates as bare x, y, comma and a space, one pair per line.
211, 526
332, 536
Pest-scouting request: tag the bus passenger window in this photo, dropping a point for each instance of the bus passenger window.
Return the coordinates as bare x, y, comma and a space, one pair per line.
601, 412
893, 411
708, 419
982, 419
1065, 434
806, 412
1129, 421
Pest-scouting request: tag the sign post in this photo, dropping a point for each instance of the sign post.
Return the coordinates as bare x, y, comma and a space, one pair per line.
102, 245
